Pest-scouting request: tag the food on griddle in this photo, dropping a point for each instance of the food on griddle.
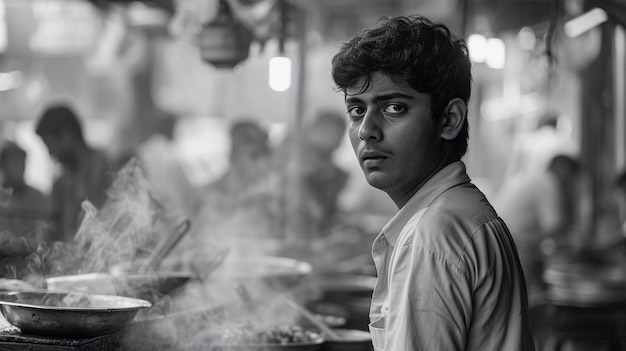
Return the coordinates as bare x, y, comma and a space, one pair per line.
275, 335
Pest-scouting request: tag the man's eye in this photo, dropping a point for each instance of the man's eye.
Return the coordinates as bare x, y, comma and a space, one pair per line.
355, 111
394, 108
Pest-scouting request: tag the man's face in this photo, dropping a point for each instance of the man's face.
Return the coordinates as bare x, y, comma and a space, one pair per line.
396, 141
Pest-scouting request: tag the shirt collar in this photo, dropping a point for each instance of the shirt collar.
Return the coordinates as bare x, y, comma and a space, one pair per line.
448, 177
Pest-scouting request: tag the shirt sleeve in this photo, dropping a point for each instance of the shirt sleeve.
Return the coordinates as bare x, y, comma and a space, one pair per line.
429, 302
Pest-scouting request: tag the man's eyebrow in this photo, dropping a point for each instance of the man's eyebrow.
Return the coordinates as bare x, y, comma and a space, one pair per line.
383, 97
351, 98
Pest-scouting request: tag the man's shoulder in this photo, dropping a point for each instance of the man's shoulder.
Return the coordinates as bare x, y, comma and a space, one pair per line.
457, 212
464, 200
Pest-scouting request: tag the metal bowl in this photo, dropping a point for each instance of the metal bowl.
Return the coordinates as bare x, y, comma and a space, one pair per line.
47, 313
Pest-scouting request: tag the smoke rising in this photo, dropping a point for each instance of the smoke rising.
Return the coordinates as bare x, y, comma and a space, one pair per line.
128, 221
137, 216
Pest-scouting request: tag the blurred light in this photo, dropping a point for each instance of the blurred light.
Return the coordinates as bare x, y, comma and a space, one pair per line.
35, 88
4, 39
526, 38
64, 26
10, 80
140, 14
280, 73
584, 22
477, 46
496, 53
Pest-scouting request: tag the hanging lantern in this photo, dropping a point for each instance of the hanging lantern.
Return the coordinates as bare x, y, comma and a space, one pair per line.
224, 42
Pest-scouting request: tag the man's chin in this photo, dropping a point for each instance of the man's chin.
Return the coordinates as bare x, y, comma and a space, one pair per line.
377, 181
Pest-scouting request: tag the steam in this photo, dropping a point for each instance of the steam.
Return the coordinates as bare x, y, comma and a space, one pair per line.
20, 233
136, 217
127, 226
127, 222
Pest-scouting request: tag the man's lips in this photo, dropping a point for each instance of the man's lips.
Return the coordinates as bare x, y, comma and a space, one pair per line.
373, 158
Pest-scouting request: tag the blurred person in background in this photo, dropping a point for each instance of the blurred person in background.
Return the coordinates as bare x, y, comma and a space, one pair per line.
16, 194
448, 273
241, 208
85, 175
540, 210
533, 150
323, 180
608, 244
251, 163
24, 211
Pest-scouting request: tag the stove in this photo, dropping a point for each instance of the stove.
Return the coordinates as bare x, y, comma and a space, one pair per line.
11, 338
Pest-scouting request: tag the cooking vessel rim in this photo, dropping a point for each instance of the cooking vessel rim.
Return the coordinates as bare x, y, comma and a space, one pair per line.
139, 303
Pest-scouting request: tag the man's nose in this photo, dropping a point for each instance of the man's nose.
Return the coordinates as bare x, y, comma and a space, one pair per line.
370, 129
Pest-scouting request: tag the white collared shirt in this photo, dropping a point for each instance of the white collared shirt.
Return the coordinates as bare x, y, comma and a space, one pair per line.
448, 274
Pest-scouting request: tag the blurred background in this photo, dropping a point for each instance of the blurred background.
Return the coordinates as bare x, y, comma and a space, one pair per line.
140, 74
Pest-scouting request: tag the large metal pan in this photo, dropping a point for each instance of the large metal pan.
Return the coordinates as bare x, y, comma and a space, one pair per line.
130, 280
125, 280
148, 286
64, 314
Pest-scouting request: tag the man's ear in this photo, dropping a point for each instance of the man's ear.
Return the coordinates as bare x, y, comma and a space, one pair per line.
453, 119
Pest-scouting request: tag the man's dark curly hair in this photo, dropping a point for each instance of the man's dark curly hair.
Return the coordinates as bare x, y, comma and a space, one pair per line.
415, 50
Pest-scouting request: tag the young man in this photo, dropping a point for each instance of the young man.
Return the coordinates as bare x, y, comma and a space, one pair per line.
449, 277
